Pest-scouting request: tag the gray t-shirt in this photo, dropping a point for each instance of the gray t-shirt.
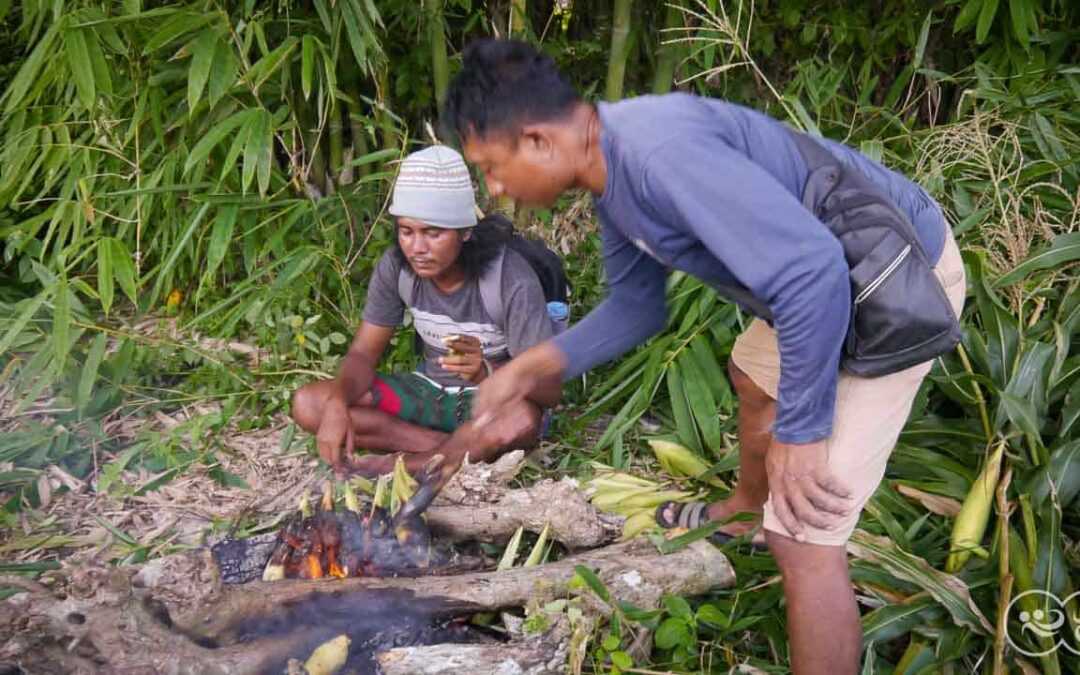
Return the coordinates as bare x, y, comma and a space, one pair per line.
436, 314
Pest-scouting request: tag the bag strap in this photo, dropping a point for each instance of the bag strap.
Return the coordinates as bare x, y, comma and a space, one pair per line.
406, 284
490, 283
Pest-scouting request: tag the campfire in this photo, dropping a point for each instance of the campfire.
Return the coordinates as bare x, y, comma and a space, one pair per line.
363, 540
356, 589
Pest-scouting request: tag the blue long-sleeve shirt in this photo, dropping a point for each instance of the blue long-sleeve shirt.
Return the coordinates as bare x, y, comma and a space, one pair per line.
714, 189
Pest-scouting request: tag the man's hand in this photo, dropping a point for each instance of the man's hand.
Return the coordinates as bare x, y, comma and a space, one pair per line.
335, 430
801, 488
466, 358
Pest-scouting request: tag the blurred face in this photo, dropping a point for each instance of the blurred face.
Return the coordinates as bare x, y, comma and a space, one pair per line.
431, 251
527, 168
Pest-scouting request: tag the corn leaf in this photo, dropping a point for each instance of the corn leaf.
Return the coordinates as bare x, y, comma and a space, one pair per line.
947, 589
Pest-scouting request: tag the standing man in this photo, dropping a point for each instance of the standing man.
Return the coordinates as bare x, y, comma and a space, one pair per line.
739, 200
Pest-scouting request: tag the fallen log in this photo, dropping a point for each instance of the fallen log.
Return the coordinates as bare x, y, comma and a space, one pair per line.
476, 504
178, 618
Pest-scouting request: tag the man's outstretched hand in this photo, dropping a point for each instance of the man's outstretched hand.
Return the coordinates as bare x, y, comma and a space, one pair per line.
501, 395
335, 431
802, 489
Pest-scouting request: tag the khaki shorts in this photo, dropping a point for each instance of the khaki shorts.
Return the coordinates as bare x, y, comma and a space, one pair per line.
870, 413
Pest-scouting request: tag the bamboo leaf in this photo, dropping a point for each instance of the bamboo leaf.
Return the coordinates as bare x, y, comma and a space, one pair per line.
98, 65
79, 61
29, 72
207, 143
1018, 15
920, 47
947, 589
266, 154
680, 409
967, 15
986, 19
223, 72
105, 273
702, 404
177, 27
272, 62
163, 275
124, 266
254, 146
90, 370
61, 325
220, 238
592, 581
307, 65
203, 49
29, 309
352, 27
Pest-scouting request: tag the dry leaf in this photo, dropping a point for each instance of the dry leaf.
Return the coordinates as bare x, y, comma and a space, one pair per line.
943, 506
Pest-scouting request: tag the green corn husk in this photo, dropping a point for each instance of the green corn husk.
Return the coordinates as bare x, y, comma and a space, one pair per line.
974, 515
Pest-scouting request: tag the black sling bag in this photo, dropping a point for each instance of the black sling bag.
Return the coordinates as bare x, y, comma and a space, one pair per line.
900, 315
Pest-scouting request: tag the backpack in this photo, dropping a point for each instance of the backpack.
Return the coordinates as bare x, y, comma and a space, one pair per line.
547, 265
900, 315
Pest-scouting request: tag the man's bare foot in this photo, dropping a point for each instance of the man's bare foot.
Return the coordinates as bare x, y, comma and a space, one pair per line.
732, 506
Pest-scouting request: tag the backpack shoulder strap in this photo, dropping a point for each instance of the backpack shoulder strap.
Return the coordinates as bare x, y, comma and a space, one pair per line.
406, 284
491, 287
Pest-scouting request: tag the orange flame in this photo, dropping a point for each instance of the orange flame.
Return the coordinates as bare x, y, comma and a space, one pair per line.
312, 567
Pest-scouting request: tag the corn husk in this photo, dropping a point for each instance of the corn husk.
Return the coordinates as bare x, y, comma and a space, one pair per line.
681, 462
639, 522
974, 515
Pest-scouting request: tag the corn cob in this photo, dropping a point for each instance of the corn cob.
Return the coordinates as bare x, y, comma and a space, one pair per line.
975, 513
328, 657
681, 462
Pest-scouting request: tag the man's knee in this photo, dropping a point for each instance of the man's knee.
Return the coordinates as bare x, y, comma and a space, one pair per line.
800, 561
306, 408
748, 391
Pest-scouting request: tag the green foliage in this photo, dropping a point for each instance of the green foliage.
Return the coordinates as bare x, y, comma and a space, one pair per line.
193, 171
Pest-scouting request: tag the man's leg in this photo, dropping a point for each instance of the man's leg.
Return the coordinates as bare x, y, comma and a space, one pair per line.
375, 429
754, 369
824, 631
757, 411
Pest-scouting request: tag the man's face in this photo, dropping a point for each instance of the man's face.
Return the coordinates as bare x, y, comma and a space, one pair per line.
431, 251
525, 168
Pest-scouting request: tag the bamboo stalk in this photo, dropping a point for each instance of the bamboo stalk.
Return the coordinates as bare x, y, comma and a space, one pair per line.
519, 18
336, 149
440, 67
620, 38
666, 54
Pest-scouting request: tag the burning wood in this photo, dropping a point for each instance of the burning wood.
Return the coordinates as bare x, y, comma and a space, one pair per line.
365, 540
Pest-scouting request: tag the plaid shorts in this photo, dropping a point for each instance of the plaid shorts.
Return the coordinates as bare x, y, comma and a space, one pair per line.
420, 400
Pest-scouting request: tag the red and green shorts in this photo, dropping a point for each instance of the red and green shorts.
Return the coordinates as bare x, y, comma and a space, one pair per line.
417, 399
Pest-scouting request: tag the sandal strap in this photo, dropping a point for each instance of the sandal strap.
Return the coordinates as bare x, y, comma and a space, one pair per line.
692, 515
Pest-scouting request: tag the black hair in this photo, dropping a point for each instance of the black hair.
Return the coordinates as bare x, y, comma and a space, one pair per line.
502, 85
478, 251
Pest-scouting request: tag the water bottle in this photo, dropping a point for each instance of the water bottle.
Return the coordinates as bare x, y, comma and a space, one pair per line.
559, 313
